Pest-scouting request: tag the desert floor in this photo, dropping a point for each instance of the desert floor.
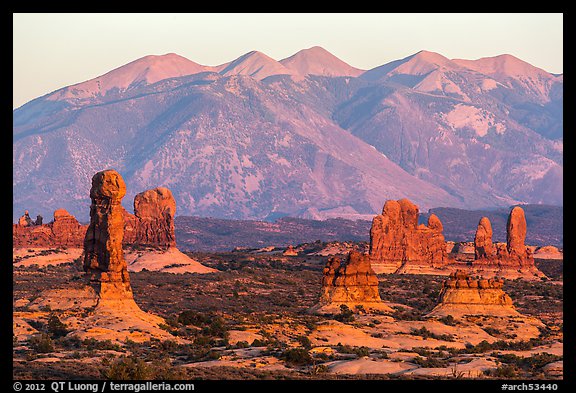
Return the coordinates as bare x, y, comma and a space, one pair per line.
250, 320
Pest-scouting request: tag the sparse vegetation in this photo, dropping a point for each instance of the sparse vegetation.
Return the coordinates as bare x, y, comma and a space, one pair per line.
273, 299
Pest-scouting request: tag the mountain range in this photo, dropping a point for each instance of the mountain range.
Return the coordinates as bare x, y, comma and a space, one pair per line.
307, 136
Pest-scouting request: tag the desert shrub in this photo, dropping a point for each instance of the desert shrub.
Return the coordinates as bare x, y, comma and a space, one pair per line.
358, 351
305, 342
126, 369
41, 343
134, 369
402, 314
345, 315
531, 363
93, 344
259, 343
505, 371
56, 328
217, 328
190, 317
448, 320
242, 344
492, 331
430, 362
297, 357
425, 333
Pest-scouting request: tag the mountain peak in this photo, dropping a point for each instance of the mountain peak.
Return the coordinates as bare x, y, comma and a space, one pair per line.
420, 63
318, 61
501, 65
148, 69
255, 64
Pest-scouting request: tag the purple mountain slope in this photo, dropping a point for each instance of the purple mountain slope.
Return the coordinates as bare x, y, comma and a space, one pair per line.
308, 135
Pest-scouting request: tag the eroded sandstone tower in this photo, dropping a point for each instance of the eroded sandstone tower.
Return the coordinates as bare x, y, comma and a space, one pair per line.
351, 282
399, 245
104, 261
510, 259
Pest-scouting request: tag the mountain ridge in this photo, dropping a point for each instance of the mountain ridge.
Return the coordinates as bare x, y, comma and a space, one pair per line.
241, 140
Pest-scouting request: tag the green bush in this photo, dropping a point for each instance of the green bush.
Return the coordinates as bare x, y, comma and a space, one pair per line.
305, 342
134, 369
346, 315
448, 320
56, 328
41, 343
297, 357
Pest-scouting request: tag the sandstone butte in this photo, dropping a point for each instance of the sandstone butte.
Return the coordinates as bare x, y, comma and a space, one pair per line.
513, 259
107, 293
152, 223
399, 245
462, 295
352, 283
63, 231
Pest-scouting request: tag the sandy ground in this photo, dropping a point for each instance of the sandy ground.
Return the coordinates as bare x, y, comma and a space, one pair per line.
33, 256
171, 260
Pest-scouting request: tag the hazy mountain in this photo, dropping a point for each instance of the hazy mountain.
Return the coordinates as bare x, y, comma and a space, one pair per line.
318, 61
257, 138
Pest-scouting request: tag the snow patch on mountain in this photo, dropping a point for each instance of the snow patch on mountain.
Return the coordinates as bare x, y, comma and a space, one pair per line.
467, 116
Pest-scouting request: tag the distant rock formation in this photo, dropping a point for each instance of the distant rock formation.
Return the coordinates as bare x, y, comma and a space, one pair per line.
399, 245
463, 295
483, 247
152, 223
511, 259
63, 231
290, 251
25, 220
352, 283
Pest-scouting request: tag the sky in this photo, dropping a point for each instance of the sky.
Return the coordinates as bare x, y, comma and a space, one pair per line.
54, 50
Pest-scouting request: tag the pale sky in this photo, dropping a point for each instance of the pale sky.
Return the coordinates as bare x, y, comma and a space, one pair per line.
52, 50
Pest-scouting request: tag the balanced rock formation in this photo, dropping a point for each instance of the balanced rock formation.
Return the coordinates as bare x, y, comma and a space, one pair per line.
352, 283
399, 245
290, 252
462, 295
103, 255
103, 307
513, 259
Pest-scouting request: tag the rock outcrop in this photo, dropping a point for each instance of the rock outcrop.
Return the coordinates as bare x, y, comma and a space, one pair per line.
25, 220
104, 261
463, 295
399, 245
152, 223
63, 231
513, 259
103, 306
290, 252
483, 247
352, 283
